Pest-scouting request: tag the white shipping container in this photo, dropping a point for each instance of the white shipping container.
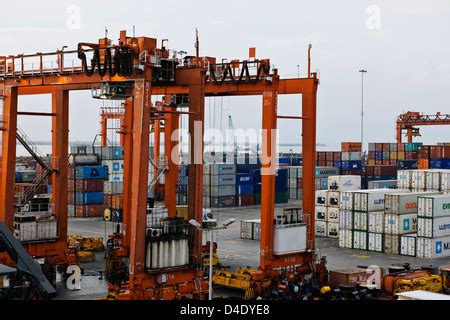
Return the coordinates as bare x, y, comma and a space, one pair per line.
333, 230
360, 220
382, 184
400, 224
321, 213
83, 159
344, 183
445, 182
404, 179
360, 240
220, 180
408, 245
219, 191
289, 238
391, 244
376, 222
370, 200
114, 166
375, 242
403, 202
333, 215
419, 180
351, 156
117, 177
219, 169
321, 229
433, 248
321, 198
346, 219
334, 198
47, 229
434, 206
433, 179
25, 231
346, 202
434, 227
345, 238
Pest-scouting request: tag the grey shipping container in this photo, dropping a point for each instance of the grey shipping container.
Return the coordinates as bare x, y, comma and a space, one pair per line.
434, 227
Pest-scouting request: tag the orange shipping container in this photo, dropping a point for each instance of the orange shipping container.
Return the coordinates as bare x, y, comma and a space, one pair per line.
423, 164
351, 146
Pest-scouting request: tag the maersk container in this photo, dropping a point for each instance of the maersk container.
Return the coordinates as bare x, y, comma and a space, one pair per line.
333, 215
434, 227
434, 206
321, 213
376, 222
408, 243
360, 240
400, 224
334, 198
404, 179
346, 200
391, 244
375, 242
220, 169
433, 248
325, 172
346, 219
321, 198
419, 180
333, 230
92, 172
360, 220
321, 229
370, 200
345, 238
219, 191
403, 202
344, 183
220, 180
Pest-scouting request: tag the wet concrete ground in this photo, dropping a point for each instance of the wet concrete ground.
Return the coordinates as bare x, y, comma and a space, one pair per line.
233, 252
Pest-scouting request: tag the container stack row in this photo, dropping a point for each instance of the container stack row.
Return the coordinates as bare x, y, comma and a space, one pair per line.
328, 202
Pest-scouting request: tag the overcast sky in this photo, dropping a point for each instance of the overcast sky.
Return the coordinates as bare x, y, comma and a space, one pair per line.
403, 44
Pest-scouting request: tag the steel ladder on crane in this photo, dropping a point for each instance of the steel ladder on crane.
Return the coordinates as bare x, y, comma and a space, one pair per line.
46, 165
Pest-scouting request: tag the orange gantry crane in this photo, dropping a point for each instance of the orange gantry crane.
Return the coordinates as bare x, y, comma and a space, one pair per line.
410, 121
138, 69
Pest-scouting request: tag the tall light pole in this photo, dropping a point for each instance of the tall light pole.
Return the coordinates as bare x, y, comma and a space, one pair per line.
362, 108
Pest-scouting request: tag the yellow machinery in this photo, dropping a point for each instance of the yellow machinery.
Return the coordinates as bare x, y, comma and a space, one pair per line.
431, 283
85, 243
85, 256
242, 279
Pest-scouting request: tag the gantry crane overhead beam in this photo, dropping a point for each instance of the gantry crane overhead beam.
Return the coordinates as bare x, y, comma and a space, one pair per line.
409, 121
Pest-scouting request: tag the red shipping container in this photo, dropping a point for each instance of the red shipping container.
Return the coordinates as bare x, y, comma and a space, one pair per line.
71, 198
371, 155
245, 200
435, 152
379, 147
79, 211
385, 162
330, 163
329, 156
385, 170
337, 156
369, 170
446, 152
93, 211
386, 147
378, 162
393, 162
322, 163
89, 185
400, 147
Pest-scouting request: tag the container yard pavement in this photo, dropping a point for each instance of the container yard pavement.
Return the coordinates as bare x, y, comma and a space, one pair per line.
233, 252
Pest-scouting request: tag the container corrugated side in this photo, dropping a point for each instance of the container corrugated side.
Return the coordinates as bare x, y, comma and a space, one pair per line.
345, 238
433, 248
434, 206
434, 227
408, 244
400, 224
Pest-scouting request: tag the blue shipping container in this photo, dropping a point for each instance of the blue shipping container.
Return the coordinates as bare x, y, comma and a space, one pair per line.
117, 153
244, 189
337, 164
378, 155
281, 183
351, 165
244, 179
246, 167
49, 188
182, 189
89, 198
92, 172
18, 177
407, 164
440, 164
